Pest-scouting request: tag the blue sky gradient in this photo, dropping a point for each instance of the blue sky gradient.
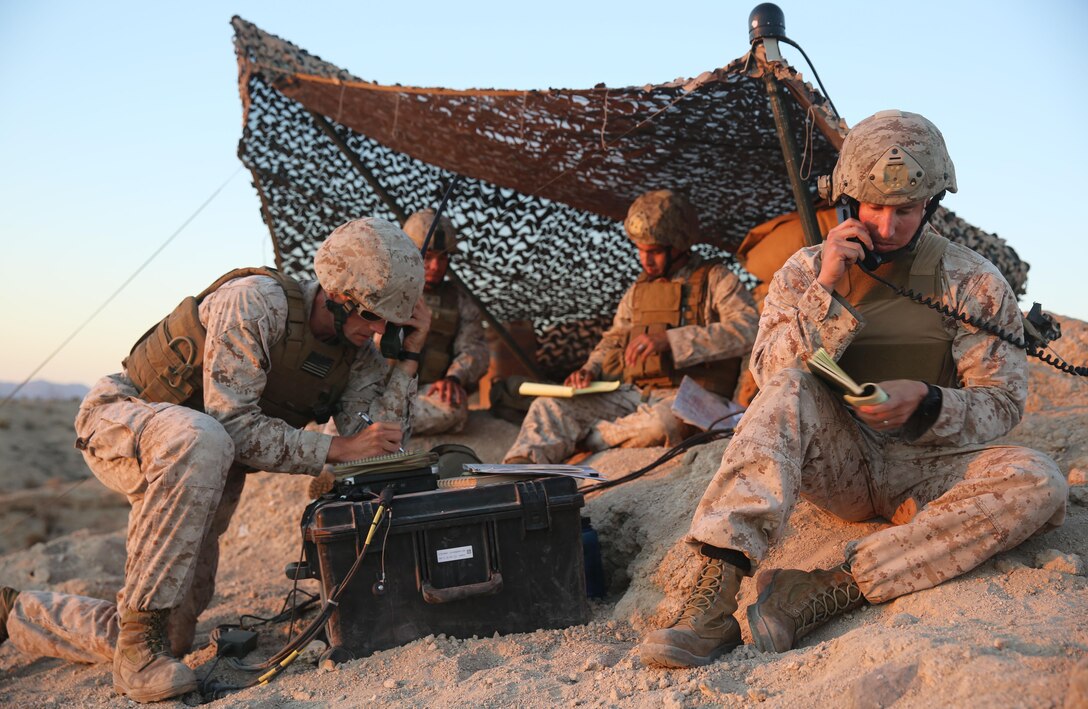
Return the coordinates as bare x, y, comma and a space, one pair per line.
121, 118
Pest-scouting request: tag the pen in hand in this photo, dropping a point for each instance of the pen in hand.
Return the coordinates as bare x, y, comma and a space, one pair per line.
369, 421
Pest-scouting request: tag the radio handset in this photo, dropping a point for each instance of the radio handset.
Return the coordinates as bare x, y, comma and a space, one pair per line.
870, 260
392, 341
847, 209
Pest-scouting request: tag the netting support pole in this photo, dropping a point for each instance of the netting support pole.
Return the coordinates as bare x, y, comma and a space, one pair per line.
387, 198
266, 214
793, 159
356, 163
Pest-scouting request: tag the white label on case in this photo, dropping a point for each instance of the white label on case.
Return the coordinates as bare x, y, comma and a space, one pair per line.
454, 554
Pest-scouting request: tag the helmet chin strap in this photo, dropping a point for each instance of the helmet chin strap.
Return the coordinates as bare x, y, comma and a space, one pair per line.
340, 315
931, 208
670, 261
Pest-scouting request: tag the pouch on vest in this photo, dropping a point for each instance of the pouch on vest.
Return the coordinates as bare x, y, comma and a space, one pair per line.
657, 307
168, 366
445, 320
306, 376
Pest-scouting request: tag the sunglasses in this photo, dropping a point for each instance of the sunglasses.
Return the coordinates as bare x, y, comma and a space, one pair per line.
352, 307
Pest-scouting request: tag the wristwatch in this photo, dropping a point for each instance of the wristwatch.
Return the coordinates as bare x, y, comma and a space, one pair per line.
930, 407
405, 354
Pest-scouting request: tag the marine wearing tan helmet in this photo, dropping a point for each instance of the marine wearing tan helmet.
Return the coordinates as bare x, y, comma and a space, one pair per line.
375, 265
662, 218
893, 158
444, 239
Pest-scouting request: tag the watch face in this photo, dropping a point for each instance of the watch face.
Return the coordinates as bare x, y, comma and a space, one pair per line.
931, 405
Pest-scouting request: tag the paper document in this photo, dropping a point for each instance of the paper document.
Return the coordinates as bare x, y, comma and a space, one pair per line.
697, 406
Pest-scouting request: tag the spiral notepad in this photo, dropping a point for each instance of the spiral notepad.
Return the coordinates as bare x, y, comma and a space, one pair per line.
391, 463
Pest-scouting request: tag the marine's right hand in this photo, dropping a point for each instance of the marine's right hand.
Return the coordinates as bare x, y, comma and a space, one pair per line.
378, 438
579, 379
839, 253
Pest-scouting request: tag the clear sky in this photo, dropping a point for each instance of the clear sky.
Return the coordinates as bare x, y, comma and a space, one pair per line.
120, 118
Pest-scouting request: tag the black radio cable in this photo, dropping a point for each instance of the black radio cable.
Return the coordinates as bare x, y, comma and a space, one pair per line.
1052, 359
711, 434
276, 664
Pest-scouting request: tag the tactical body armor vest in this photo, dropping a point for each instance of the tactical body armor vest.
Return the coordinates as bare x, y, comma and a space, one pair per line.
306, 376
662, 304
901, 339
445, 319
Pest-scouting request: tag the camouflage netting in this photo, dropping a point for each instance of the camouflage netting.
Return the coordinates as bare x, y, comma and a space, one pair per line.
547, 174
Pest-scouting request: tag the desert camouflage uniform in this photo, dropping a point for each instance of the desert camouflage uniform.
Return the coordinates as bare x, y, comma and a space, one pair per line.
183, 470
470, 360
955, 501
630, 417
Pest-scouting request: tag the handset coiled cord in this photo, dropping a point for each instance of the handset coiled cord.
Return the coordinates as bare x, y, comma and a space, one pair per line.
1052, 359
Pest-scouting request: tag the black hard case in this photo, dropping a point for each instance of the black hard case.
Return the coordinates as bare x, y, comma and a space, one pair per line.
500, 558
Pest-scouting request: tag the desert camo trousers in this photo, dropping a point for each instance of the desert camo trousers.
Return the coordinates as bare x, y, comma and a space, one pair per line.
174, 465
554, 427
951, 508
430, 415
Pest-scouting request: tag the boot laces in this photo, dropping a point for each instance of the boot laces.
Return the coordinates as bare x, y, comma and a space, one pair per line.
7, 600
706, 590
156, 634
827, 602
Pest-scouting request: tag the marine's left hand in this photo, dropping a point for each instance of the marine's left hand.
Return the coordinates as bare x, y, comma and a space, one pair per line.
448, 390
904, 396
417, 327
645, 345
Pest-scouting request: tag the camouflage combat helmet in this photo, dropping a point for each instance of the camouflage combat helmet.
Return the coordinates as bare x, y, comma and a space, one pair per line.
662, 218
444, 239
893, 158
373, 263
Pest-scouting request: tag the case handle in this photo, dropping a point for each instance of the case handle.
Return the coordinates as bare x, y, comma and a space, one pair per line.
458, 593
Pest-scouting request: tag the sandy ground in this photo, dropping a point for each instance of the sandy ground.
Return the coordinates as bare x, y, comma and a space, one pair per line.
1011, 633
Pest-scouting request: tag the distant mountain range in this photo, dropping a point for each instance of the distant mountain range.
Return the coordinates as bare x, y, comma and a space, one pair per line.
38, 389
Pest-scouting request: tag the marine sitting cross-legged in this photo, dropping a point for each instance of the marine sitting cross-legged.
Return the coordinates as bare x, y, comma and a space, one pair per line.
684, 316
919, 460
222, 386
455, 354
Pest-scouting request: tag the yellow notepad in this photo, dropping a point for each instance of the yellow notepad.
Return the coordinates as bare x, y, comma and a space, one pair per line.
824, 366
471, 481
563, 391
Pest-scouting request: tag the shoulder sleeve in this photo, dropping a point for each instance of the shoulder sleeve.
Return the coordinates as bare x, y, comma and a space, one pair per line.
800, 316
731, 323
377, 387
244, 318
614, 338
470, 352
992, 373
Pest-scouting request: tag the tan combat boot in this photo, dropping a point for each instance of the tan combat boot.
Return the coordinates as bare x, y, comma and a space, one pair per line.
791, 603
7, 602
706, 628
143, 668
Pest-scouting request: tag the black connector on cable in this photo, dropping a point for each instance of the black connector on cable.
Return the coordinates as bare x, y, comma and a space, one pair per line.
235, 642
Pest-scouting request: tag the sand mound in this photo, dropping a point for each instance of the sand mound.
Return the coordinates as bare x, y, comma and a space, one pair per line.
1010, 633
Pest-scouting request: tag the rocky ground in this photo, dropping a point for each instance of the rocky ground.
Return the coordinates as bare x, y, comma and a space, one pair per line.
1012, 633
